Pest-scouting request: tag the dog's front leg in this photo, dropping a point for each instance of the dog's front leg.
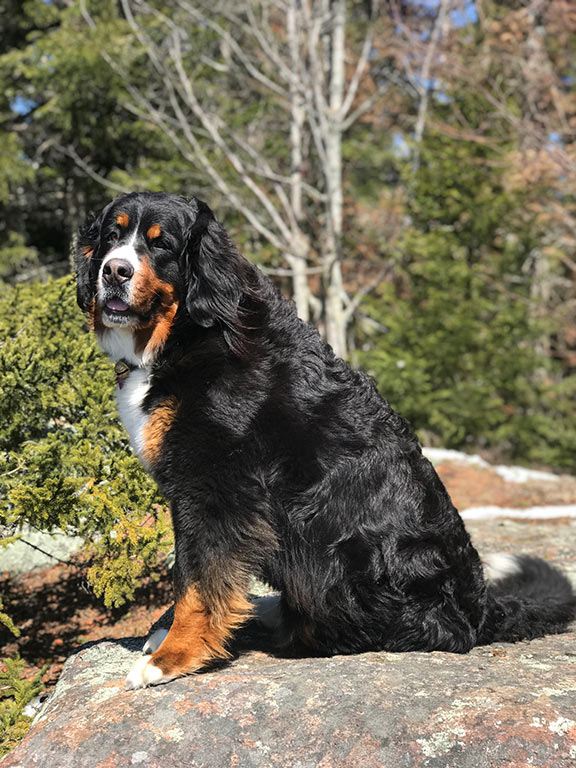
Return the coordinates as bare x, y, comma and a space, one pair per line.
220, 539
206, 613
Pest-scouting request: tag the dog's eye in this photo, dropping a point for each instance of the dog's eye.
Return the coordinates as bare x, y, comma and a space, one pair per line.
112, 237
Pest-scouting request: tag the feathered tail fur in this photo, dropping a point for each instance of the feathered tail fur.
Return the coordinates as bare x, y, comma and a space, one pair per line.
527, 598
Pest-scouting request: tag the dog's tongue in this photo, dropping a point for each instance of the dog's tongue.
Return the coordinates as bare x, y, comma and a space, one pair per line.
117, 305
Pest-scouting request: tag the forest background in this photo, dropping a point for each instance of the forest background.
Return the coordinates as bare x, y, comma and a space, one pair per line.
404, 170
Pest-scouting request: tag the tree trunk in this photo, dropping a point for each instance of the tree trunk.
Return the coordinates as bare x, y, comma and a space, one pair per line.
300, 245
332, 250
300, 285
541, 292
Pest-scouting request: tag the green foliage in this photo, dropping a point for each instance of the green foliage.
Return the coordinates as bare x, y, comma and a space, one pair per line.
15, 256
7, 621
459, 354
15, 693
61, 102
4, 618
64, 457
15, 169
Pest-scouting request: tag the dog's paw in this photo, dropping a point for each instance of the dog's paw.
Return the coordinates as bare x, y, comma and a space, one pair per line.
154, 641
144, 673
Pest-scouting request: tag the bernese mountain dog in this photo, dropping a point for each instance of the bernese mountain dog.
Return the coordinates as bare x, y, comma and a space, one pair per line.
280, 460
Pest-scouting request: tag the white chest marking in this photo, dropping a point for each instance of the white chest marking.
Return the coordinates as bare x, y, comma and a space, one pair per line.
130, 400
118, 343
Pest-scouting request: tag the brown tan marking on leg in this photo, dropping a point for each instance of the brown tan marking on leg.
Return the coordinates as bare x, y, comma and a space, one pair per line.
158, 424
200, 632
198, 635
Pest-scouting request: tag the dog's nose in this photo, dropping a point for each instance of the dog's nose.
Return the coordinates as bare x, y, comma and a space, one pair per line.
117, 271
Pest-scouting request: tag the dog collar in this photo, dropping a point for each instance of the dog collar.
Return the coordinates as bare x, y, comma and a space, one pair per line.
122, 369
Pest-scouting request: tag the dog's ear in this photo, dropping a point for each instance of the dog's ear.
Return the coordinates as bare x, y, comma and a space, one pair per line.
86, 258
220, 283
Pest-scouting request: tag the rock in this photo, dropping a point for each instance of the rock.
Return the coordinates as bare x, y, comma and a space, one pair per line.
552, 540
505, 705
20, 557
500, 706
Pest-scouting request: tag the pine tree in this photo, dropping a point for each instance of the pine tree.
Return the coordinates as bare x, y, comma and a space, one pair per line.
457, 355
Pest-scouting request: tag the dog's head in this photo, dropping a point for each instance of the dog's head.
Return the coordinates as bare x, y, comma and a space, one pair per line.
146, 258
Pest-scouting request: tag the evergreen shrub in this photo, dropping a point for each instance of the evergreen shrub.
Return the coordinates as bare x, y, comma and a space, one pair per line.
65, 462
459, 350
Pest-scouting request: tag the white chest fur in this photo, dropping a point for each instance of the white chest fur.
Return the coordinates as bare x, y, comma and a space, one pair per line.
130, 400
118, 343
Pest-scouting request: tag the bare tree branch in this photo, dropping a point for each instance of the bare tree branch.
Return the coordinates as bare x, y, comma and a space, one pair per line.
88, 170
256, 73
361, 294
232, 157
438, 29
281, 272
266, 43
360, 65
361, 110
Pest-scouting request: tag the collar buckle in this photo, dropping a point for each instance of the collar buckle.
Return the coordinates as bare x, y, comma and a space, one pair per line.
123, 369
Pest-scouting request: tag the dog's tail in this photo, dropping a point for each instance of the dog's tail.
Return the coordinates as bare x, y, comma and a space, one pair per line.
527, 598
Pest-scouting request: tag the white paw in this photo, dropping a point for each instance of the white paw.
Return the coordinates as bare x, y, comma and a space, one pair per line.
143, 674
154, 641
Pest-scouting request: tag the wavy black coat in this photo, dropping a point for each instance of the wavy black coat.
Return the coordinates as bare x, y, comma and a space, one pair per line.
285, 462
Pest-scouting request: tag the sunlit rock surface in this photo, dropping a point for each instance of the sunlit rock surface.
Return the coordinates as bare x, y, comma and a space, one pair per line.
502, 706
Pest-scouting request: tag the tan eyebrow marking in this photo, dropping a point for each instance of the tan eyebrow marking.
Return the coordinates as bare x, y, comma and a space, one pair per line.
123, 219
154, 231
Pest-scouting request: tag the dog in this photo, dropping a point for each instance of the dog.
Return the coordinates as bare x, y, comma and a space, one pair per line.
280, 460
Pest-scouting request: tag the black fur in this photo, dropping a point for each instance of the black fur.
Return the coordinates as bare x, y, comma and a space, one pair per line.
536, 601
285, 462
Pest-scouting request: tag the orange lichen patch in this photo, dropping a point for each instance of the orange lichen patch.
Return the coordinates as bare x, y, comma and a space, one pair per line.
154, 232
122, 219
200, 631
87, 251
148, 290
158, 424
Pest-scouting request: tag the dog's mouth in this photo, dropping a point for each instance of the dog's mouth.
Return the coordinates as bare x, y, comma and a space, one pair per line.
117, 305
116, 311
